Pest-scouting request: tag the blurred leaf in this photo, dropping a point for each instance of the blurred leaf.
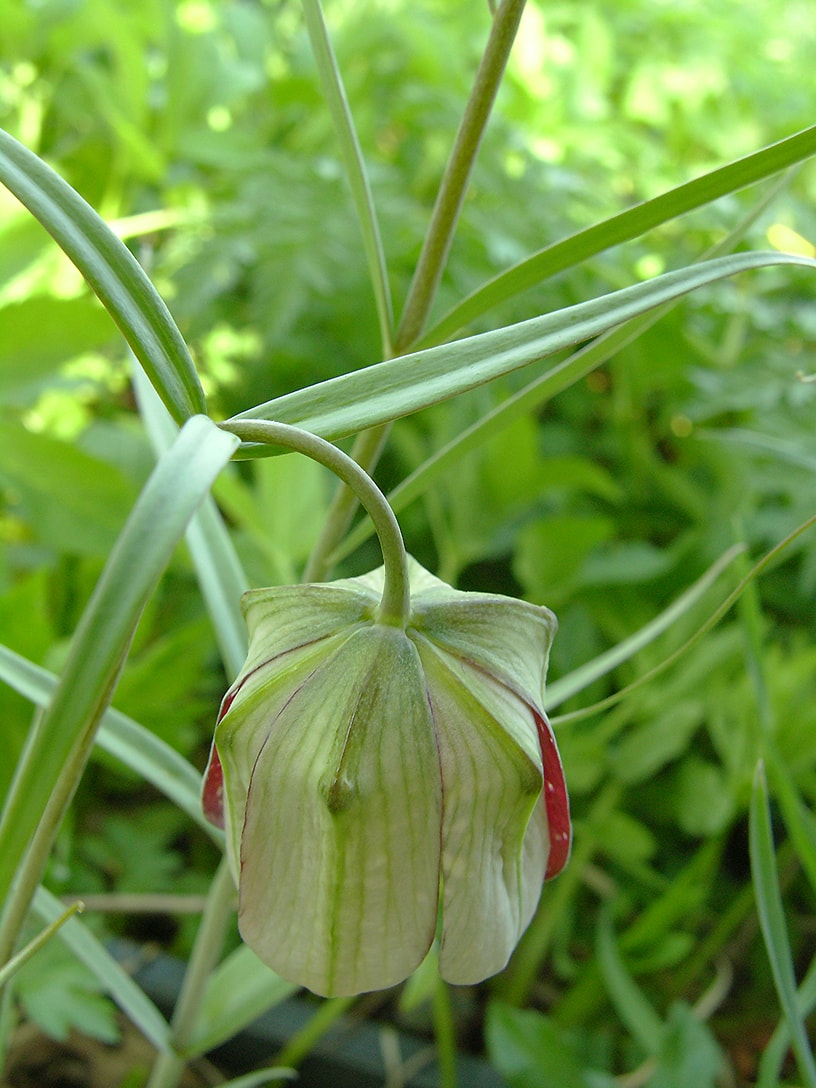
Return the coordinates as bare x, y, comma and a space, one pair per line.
648, 747
238, 991
88, 954
626, 225
704, 801
771, 913
398, 387
550, 554
625, 840
112, 272
38, 334
628, 1000
73, 502
58, 993
22, 243
532, 1051
136, 855
688, 1053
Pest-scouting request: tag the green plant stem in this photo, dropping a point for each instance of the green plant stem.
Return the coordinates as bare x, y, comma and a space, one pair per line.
366, 452
206, 950
445, 1034
303, 1041
457, 174
369, 444
396, 598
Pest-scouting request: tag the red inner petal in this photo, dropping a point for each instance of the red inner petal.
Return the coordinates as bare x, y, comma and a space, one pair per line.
212, 794
555, 798
226, 702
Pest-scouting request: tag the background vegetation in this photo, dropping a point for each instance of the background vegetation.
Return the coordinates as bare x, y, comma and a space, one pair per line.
198, 129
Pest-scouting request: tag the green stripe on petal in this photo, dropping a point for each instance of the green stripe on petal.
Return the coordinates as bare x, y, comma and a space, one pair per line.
340, 848
494, 843
242, 732
283, 618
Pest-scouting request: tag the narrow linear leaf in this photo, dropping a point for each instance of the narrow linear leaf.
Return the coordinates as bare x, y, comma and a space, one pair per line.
773, 1056
700, 633
238, 991
541, 390
799, 820
11, 968
122, 737
398, 387
520, 404
564, 688
112, 272
629, 1001
332, 84
772, 922
220, 575
623, 227
65, 731
130, 998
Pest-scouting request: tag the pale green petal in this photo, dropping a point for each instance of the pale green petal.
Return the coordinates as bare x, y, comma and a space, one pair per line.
340, 850
508, 719
492, 865
282, 618
420, 580
534, 859
242, 731
507, 638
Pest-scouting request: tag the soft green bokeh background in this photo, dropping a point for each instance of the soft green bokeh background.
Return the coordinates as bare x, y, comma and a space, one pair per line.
198, 129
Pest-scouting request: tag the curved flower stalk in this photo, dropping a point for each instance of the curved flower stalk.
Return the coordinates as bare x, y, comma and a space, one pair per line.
377, 781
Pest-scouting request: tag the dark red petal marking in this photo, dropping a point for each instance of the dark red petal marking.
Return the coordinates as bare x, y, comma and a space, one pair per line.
555, 798
226, 702
212, 793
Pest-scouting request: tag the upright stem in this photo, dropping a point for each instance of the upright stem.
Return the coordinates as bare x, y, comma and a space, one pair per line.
209, 941
396, 602
457, 173
366, 452
370, 443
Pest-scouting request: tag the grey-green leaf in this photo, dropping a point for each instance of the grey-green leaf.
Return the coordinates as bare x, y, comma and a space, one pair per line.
772, 922
122, 737
398, 387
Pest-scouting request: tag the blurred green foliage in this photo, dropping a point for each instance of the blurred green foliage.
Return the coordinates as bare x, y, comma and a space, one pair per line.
198, 129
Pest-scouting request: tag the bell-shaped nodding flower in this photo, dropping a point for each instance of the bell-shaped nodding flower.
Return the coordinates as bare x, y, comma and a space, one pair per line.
366, 775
